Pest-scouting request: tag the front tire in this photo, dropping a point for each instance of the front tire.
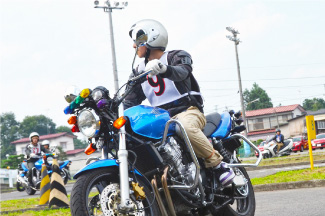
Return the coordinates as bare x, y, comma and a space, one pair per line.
87, 190
30, 191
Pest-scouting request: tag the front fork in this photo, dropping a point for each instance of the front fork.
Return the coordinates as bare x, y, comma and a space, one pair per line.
124, 170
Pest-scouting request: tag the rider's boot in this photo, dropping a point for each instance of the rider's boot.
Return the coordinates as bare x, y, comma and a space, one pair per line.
30, 179
224, 173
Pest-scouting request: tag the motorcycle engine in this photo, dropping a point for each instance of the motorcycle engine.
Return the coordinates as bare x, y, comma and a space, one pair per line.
172, 154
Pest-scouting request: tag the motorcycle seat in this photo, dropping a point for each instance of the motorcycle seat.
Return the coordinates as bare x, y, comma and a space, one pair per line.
285, 144
213, 122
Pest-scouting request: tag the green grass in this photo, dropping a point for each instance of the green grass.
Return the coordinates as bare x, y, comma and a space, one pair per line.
288, 159
291, 176
52, 212
10, 205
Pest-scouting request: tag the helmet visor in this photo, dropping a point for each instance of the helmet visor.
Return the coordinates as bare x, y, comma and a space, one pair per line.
139, 36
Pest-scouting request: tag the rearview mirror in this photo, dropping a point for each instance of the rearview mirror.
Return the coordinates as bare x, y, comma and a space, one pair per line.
71, 93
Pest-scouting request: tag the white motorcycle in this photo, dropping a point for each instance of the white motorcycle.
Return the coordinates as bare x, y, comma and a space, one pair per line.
270, 149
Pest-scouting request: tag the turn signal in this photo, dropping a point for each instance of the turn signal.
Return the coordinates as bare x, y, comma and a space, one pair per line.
67, 110
85, 93
119, 122
75, 129
90, 149
73, 105
79, 100
72, 120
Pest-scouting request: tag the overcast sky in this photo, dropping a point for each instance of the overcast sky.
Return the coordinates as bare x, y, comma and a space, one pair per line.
48, 45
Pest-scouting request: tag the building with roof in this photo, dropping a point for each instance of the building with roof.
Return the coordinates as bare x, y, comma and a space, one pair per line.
262, 123
319, 118
63, 140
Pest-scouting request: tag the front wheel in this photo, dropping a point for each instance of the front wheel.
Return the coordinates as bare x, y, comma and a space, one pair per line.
245, 206
30, 191
97, 193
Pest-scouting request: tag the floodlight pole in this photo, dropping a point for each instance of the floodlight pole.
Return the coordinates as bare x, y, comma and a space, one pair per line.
237, 41
109, 10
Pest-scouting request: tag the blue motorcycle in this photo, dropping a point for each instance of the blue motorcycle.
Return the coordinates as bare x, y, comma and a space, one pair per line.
148, 165
22, 180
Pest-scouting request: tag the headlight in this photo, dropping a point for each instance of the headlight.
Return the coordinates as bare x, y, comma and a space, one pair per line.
88, 123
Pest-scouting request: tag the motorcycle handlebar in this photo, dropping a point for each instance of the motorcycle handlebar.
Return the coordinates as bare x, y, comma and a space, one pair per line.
139, 76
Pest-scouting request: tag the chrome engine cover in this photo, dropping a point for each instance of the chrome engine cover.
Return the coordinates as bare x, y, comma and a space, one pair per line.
172, 153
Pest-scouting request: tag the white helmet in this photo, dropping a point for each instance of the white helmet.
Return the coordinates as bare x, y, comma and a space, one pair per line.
151, 32
32, 135
46, 142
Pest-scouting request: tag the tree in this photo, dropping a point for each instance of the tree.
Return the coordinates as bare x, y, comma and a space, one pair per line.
39, 123
12, 161
313, 104
9, 133
61, 155
257, 93
63, 129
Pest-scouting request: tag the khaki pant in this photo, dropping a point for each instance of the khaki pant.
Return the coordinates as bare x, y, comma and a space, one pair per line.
193, 122
279, 146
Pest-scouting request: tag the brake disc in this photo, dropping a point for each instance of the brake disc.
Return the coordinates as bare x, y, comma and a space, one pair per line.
110, 200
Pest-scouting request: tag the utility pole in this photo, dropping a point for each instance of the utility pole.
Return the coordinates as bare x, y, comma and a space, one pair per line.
237, 41
109, 10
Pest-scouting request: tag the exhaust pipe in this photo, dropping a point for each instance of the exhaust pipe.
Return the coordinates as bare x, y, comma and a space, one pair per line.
167, 193
158, 197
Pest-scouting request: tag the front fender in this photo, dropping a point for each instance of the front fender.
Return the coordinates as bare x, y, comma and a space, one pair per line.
99, 164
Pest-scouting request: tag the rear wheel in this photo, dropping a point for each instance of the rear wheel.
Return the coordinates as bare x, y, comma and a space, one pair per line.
20, 187
97, 193
65, 176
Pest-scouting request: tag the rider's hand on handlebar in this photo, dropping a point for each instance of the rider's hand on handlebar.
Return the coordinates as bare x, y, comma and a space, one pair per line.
156, 67
32, 155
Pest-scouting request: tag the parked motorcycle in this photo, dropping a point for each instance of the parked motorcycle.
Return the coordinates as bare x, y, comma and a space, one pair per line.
270, 149
22, 180
148, 166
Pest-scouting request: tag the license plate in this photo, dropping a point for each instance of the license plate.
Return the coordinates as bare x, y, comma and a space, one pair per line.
318, 145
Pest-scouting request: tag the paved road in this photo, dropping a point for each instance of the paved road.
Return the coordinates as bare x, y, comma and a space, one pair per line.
300, 202
24, 195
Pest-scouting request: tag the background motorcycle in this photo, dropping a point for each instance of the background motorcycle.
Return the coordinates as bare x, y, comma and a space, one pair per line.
22, 180
145, 154
270, 149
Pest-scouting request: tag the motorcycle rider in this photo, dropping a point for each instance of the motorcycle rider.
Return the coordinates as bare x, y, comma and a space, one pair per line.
172, 86
279, 139
33, 150
46, 144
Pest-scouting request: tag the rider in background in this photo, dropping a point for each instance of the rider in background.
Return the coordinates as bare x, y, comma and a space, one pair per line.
46, 144
171, 86
279, 139
33, 151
